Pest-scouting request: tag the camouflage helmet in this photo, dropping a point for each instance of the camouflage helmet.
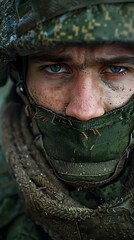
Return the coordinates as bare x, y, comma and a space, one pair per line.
28, 26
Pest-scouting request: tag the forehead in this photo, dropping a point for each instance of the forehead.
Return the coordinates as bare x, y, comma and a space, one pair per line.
88, 50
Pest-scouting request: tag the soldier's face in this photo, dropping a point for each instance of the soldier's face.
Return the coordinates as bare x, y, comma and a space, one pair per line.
82, 82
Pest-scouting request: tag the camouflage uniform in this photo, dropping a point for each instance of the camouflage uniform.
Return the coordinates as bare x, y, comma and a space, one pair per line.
99, 201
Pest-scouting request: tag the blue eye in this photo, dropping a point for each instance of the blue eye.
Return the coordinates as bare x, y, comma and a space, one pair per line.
55, 68
116, 69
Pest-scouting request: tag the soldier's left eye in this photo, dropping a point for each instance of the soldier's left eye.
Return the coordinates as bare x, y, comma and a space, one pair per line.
115, 69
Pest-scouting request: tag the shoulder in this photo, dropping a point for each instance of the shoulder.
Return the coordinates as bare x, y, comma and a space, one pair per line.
14, 223
10, 206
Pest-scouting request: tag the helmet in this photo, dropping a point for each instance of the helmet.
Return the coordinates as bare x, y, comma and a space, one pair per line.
27, 26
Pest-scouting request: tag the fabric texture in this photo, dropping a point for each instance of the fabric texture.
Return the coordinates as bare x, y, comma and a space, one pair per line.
14, 223
85, 153
48, 201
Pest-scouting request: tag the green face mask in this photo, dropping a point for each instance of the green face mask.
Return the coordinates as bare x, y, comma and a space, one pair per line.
87, 152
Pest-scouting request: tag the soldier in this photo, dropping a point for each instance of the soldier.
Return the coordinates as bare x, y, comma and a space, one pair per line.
67, 124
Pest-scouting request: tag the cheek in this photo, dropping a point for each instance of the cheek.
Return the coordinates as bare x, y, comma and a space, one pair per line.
119, 95
126, 90
54, 98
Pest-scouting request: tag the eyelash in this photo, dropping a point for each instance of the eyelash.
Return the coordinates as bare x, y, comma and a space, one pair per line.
55, 72
115, 66
114, 74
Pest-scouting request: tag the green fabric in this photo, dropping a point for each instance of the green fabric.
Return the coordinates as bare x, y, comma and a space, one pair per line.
24, 229
94, 197
86, 150
99, 23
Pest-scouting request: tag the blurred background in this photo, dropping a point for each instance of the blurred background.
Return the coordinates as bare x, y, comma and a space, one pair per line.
4, 91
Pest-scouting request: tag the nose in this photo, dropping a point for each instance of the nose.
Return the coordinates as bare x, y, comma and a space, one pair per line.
86, 98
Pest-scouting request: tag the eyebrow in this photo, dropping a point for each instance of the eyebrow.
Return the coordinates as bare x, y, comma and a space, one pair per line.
68, 57
50, 58
117, 60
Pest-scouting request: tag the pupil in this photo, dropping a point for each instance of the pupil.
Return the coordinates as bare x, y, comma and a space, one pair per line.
55, 68
115, 69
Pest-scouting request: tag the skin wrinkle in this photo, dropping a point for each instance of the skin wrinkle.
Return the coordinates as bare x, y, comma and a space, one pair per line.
85, 90
104, 49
